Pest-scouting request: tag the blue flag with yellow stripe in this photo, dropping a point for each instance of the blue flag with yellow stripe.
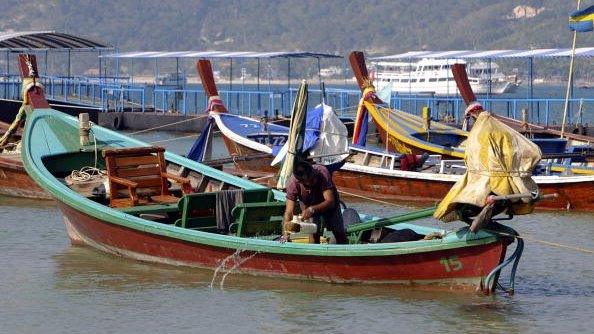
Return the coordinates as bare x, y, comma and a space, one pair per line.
582, 20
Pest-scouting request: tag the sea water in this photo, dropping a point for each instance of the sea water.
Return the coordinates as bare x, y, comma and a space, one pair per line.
49, 286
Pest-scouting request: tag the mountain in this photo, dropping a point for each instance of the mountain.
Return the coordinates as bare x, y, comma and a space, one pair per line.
378, 27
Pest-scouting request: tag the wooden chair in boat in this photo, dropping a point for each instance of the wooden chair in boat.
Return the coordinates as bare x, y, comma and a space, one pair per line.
138, 176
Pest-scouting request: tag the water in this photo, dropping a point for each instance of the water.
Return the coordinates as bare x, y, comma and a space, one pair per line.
49, 286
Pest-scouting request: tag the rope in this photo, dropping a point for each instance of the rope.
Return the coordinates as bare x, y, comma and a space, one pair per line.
87, 173
166, 125
544, 242
366, 198
173, 139
527, 238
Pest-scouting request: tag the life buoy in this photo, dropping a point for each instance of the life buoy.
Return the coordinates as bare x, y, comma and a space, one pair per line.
118, 123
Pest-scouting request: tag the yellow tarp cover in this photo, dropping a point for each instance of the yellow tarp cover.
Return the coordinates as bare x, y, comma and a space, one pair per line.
499, 160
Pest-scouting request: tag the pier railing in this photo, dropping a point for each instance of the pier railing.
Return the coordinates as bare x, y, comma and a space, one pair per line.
113, 94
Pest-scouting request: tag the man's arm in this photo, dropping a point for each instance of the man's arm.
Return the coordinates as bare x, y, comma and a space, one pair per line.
289, 209
328, 203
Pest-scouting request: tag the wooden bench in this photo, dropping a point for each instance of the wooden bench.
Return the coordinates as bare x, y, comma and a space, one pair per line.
258, 219
251, 218
138, 176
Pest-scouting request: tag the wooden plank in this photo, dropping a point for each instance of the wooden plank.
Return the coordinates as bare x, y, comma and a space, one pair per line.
163, 166
142, 171
203, 184
153, 182
132, 151
136, 161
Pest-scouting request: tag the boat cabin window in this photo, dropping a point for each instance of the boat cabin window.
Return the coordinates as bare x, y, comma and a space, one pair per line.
413, 80
404, 80
422, 80
442, 79
432, 79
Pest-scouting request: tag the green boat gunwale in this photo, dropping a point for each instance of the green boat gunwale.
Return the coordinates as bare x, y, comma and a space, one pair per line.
35, 167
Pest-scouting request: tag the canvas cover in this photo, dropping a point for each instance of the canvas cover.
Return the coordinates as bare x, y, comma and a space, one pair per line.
332, 144
499, 161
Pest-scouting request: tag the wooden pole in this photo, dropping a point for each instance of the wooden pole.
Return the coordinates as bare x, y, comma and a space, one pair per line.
570, 79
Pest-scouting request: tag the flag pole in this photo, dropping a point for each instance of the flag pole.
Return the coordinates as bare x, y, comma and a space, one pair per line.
570, 78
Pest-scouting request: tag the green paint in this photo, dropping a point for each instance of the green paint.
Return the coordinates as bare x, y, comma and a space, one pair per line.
50, 133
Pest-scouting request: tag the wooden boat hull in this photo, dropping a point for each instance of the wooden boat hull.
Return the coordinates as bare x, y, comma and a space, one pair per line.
460, 267
576, 196
14, 180
460, 260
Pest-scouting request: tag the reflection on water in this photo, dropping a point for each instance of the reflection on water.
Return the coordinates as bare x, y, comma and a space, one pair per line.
49, 286
296, 305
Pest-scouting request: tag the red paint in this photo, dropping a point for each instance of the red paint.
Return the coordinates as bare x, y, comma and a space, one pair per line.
477, 261
577, 196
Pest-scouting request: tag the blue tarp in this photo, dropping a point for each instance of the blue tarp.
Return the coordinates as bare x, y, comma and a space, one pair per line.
198, 150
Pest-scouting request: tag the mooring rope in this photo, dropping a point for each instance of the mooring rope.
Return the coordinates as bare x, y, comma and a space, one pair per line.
367, 198
166, 125
544, 242
526, 238
173, 139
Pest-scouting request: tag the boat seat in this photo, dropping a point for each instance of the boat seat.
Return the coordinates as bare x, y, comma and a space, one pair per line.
138, 176
150, 209
258, 219
198, 210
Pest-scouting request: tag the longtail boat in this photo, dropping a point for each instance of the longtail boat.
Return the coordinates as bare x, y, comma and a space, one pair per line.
406, 133
146, 220
14, 180
372, 172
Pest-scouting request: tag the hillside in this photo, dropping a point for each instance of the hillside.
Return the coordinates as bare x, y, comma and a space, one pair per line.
379, 27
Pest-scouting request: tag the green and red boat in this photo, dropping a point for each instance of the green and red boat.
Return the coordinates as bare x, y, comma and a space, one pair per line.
185, 231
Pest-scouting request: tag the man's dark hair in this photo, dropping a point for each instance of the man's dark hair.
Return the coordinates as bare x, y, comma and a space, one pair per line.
302, 170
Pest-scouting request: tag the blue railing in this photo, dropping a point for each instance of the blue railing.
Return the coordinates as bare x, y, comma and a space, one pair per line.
188, 101
115, 95
121, 99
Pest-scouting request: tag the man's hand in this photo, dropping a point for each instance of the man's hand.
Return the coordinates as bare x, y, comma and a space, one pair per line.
307, 213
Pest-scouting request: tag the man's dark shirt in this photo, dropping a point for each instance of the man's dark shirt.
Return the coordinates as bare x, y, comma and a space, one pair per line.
307, 197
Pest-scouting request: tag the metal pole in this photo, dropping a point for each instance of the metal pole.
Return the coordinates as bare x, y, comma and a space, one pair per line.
269, 74
319, 75
531, 85
258, 86
344, 68
176, 71
490, 79
7, 74
69, 69
156, 71
288, 83
570, 78
231, 75
45, 60
100, 64
289, 73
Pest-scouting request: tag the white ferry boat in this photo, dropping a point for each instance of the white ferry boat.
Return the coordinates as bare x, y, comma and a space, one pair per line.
434, 76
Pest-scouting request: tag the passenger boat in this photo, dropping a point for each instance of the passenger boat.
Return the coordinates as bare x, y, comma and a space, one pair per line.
377, 173
178, 225
434, 76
